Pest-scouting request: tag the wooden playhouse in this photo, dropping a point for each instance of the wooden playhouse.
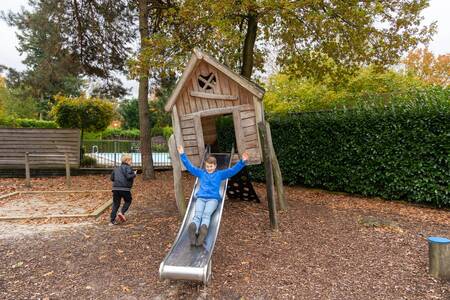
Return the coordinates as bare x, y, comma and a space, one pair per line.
207, 90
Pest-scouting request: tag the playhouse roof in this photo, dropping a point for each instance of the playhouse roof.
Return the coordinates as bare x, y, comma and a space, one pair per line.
196, 58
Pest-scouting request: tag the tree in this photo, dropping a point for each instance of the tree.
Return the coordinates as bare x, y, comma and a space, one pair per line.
428, 67
51, 68
129, 112
87, 114
153, 23
15, 103
65, 41
366, 87
313, 38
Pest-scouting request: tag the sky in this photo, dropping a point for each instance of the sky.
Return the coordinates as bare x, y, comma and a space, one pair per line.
9, 56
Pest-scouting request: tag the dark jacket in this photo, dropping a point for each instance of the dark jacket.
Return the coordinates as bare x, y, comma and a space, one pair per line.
122, 178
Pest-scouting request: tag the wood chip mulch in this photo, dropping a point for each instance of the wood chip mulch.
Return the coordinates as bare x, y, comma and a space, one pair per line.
329, 246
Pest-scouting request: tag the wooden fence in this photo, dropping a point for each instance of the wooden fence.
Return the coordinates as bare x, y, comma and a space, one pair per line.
46, 146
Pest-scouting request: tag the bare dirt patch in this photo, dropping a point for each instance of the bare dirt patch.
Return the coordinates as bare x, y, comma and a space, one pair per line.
329, 246
47, 203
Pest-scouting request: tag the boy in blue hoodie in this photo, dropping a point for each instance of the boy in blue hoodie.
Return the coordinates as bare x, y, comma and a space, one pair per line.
208, 195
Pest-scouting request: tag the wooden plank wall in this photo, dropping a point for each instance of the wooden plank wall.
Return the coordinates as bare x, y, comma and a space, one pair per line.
250, 134
188, 104
190, 139
17, 141
188, 109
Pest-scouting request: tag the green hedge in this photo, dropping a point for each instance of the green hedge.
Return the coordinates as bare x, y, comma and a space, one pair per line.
128, 134
26, 123
400, 152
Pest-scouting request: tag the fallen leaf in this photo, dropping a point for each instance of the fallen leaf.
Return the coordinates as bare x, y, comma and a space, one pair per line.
19, 264
126, 289
48, 274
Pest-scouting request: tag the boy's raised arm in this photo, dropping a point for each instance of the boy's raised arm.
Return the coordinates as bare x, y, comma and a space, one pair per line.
236, 168
191, 168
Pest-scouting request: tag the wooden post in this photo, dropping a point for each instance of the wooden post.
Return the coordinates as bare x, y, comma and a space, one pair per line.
276, 171
439, 257
68, 182
27, 170
176, 167
269, 177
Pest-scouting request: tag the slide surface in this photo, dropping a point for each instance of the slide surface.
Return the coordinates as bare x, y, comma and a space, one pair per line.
186, 262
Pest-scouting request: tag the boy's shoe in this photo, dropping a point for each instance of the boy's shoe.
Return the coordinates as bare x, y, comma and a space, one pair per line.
121, 217
191, 231
113, 223
202, 235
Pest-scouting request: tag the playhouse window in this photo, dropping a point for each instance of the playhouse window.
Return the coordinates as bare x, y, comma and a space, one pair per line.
206, 82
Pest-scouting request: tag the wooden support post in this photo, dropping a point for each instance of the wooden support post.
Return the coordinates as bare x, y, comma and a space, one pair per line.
269, 177
439, 257
276, 171
68, 181
176, 167
27, 170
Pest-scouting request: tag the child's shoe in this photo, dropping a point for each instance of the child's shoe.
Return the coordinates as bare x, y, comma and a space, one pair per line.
202, 235
191, 231
113, 223
121, 217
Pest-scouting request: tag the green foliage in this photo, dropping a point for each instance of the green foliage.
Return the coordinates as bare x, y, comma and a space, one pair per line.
59, 54
367, 87
87, 161
167, 132
9, 122
87, 114
398, 152
158, 117
121, 134
33, 123
225, 133
313, 39
156, 131
129, 111
15, 103
113, 134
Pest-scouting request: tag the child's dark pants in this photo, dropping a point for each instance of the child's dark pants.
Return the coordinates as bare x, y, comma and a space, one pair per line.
117, 196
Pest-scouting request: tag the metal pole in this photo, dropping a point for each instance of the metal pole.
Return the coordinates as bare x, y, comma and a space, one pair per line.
115, 153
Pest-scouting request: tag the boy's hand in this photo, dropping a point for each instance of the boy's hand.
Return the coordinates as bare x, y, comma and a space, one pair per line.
245, 156
180, 149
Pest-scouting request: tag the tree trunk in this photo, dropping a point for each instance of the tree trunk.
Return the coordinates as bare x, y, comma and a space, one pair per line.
249, 45
144, 124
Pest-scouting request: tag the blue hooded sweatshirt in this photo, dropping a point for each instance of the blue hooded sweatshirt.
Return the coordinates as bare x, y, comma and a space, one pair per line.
210, 183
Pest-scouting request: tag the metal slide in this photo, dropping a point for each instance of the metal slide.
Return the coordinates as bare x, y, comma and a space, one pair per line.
186, 262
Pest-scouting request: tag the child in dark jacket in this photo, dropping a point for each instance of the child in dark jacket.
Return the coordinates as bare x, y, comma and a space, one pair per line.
122, 178
208, 195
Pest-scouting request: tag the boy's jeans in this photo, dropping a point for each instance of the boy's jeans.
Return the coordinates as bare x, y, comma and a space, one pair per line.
204, 208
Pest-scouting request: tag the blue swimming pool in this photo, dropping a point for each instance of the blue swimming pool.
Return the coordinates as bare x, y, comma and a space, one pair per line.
110, 159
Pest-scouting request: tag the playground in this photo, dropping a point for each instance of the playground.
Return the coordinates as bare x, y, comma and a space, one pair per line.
329, 246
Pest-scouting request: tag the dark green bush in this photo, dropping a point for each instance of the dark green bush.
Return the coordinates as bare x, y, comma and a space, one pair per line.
32, 123
129, 134
88, 161
400, 152
157, 131
26, 123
